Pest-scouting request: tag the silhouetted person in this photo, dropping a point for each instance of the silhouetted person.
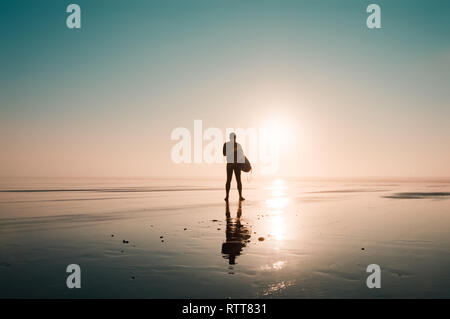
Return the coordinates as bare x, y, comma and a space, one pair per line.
236, 234
235, 156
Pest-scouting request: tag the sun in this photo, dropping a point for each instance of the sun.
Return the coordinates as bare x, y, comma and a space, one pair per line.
280, 132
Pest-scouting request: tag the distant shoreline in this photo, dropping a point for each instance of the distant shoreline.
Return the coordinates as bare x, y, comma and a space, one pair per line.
255, 178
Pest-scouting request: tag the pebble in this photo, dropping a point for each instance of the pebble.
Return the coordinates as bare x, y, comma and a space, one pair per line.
125, 241
261, 238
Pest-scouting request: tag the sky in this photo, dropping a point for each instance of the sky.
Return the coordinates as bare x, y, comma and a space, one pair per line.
103, 100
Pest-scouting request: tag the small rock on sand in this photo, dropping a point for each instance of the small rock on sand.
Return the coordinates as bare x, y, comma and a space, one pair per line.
125, 241
261, 238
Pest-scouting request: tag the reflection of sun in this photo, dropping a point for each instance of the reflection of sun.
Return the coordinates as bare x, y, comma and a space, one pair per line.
276, 288
277, 202
275, 266
278, 183
278, 265
277, 189
277, 228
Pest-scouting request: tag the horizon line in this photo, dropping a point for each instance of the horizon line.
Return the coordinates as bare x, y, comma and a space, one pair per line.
306, 178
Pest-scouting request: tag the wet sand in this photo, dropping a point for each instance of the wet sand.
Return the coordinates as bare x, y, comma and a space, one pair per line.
166, 238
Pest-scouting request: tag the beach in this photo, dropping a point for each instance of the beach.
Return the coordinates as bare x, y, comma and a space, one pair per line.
173, 238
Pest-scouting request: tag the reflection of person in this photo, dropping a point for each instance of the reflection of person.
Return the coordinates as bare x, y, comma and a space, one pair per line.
237, 235
235, 156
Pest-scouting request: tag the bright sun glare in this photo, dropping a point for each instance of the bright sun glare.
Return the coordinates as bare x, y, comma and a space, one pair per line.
280, 132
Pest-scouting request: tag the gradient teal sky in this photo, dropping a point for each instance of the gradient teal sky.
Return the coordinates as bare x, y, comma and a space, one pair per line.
103, 100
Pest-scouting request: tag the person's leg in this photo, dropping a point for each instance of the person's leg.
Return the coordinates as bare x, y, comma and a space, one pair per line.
237, 173
229, 176
239, 211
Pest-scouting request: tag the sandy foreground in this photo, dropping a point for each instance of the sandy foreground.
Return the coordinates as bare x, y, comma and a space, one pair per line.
167, 238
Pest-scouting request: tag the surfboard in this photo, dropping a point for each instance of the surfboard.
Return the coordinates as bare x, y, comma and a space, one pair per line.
246, 167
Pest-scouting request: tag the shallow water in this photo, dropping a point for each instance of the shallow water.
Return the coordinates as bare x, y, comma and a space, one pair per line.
294, 239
